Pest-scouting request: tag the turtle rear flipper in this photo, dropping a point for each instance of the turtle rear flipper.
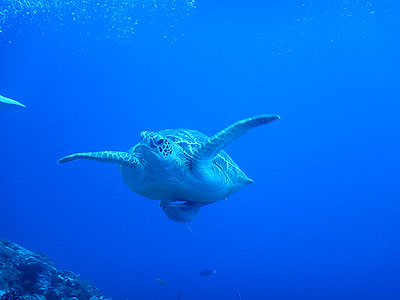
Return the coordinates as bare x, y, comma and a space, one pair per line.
183, 212
229, 134
116, 157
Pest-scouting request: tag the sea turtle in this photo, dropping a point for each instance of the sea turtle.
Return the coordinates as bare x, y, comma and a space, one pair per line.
183, 169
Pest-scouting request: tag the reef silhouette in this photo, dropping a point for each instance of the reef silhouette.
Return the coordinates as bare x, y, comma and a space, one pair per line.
26, 275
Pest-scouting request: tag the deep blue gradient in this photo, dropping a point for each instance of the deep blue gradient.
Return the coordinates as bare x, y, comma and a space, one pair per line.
321, 220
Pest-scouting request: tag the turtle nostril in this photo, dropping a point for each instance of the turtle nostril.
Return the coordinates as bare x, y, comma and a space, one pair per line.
143, 135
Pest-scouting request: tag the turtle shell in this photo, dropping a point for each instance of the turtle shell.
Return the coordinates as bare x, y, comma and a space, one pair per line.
192, 140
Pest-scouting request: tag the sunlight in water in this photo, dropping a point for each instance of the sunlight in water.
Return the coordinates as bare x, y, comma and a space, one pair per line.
104, 19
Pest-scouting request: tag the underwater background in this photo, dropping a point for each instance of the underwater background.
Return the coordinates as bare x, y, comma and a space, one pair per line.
321, 220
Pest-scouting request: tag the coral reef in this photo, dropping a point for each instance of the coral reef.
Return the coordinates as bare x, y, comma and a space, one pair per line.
26, 275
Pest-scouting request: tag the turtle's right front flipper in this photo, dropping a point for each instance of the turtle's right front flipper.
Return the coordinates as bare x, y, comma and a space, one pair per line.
229, 134
115, 157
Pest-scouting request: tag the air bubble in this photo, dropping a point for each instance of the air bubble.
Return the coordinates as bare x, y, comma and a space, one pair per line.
107, 18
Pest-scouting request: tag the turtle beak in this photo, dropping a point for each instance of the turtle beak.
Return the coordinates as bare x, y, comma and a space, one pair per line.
145, 145
148, 151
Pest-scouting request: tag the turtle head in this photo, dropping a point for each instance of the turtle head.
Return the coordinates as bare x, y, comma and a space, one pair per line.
156, 146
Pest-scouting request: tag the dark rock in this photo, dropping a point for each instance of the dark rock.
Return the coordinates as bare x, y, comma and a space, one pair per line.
26, 275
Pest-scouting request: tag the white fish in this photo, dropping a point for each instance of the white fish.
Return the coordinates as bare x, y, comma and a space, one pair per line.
9, 103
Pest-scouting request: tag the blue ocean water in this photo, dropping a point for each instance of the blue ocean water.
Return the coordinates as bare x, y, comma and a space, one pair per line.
321, 220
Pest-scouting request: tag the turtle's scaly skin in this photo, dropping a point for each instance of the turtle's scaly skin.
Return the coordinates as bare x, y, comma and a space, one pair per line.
183, 169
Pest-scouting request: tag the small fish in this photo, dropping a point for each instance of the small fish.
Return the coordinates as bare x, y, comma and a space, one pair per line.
207, 272
238, 295
9, 103
162, 282
179, 296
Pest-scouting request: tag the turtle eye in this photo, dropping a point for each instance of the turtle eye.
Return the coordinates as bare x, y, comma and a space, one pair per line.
158, 141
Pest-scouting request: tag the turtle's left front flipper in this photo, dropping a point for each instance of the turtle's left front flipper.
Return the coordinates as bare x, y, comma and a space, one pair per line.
115, 157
